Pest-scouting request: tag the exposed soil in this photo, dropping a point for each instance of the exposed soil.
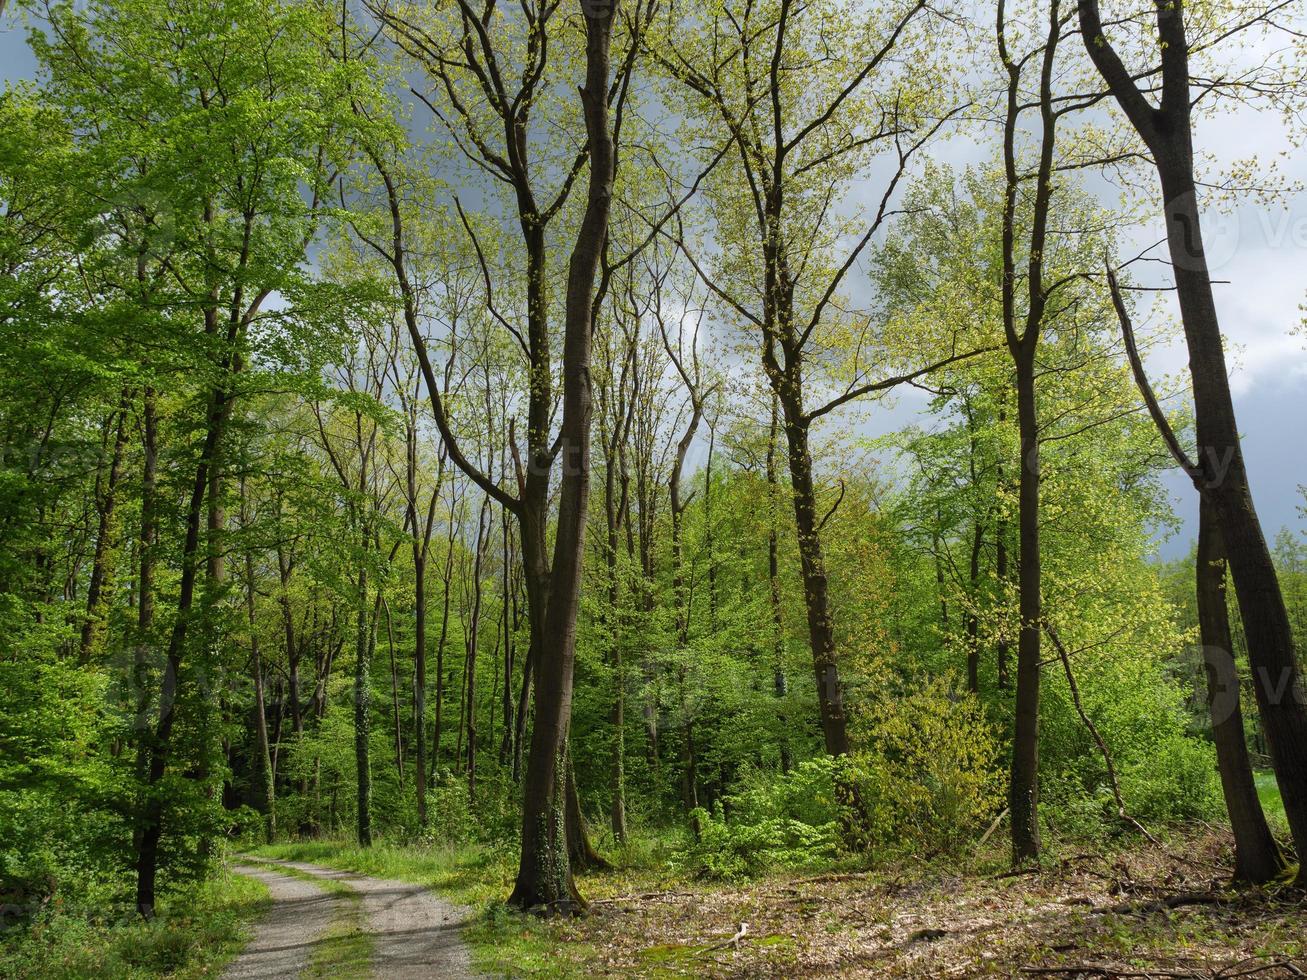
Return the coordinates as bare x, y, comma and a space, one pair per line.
286, 937
415, 932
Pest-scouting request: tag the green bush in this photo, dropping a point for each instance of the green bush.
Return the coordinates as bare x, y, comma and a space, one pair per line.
785, 822
932, 778
193, 933
928, 784
1178, 781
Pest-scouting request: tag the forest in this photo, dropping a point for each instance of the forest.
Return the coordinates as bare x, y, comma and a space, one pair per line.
739, 489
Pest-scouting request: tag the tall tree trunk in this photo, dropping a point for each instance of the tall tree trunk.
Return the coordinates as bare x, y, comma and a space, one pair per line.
106, 498
421, 548
544, 878
1277, 680
1257, 857
396, 722
446, 582
816, 592
1001, 573
973, 616
145, 585
509, 613
159, 742
264, 758
614, 508
580, 851
780, 682
1168, 132
473, 632
1023, 793
363, 705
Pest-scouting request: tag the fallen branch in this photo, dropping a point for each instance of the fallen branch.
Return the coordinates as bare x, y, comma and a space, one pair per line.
733, 942
1162, 904
992, 827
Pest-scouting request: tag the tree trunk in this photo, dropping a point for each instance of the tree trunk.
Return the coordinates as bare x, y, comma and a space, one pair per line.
613, 511
821, 628
394, 690
1001, 575
780, 682
159, 743
99, 583
1257, 857
544, 879
1168, 132
446, 582
1023, 792
973, 616
363, 707
580, 851
264, 758
1277, 680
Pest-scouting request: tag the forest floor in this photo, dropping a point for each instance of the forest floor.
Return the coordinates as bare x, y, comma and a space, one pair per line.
331, 922
1137, 913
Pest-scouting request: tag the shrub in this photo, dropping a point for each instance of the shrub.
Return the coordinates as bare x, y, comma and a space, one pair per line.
1178, 781
928, 784
931, 780
784, 822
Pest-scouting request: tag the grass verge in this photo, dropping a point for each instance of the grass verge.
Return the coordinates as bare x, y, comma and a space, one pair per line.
1268, 791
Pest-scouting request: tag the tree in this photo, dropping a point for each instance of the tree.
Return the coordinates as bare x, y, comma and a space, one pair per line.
1166, 129
801, 126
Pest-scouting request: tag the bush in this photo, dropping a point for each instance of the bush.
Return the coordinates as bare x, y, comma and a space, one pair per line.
193, 933
928, 784
787, 822
932, 779
1177, 782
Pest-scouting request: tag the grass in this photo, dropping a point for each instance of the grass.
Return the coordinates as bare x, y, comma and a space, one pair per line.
650, 920
193, 936
1269, 793
467, 875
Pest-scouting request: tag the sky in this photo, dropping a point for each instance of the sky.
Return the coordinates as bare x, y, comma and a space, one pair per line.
1259, 257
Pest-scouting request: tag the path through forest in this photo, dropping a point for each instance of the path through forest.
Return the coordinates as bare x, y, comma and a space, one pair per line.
414, 932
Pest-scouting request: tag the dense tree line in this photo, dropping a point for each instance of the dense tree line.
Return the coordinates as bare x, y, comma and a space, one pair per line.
425, 422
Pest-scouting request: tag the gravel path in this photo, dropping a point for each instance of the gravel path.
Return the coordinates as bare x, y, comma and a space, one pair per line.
414, 931
284, 939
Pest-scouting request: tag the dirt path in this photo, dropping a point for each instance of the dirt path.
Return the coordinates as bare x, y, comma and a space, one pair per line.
414, 931
285, 938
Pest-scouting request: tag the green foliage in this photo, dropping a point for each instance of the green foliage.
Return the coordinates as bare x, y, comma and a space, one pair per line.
784, 822
931, 779
927, 784
191, 937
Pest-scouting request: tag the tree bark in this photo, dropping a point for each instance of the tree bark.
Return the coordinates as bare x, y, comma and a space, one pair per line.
544, 879
363, 707
780, 682
159, 743
816, 590
1023, 793
1257, 856
100, 579
264, 758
